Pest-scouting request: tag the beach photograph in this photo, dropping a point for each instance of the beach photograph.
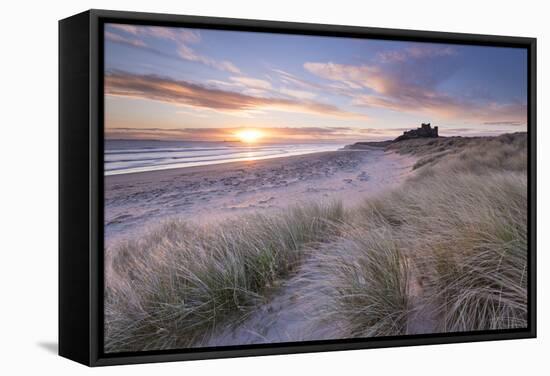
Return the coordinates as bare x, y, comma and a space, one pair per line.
265, 188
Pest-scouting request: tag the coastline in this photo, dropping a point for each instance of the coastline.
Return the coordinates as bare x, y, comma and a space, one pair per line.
187, 157
212, 192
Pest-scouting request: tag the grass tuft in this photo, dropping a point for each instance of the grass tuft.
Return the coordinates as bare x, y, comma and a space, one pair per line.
171, 287
365, 277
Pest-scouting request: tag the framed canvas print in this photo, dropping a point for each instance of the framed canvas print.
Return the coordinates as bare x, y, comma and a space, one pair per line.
239, 187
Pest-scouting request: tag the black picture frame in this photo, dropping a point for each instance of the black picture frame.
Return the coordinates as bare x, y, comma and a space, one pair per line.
81, 186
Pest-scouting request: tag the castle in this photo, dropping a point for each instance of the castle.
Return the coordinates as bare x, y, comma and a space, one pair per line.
425, 131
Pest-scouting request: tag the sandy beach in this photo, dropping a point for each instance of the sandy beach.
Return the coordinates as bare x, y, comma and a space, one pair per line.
213, 192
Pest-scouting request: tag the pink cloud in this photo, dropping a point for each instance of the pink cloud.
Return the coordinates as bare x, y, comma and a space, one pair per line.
405, 90
175, 34
171, 33
187, 53
221, 134
123, 40
253, 83
188, 94
298, 94
299, 134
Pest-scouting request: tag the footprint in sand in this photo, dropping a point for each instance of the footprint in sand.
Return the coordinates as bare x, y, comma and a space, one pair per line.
265, 201
363, 176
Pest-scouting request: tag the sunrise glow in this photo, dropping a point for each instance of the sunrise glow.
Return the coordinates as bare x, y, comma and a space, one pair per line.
249, 136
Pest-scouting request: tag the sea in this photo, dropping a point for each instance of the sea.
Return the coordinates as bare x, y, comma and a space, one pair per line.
129, 156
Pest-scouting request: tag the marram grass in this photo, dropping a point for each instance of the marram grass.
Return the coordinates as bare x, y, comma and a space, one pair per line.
456, 231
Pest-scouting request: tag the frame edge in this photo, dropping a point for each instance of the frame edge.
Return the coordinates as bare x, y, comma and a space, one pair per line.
74, 248
95, 15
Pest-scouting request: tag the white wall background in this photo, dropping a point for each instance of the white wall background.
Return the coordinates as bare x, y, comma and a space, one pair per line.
28, 188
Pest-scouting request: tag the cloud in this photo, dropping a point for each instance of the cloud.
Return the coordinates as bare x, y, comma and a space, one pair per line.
302, 88
259, 87
504, 122
446, 107
181, 37
255, 86
415, 52
176, 34
229, 134
189, 54
252, 83
299, 94
192, 134
130, 29
352, 76
291, 79
280, 134
123, 40
412, 87
396, 80
472, 132
172, 33
164, 89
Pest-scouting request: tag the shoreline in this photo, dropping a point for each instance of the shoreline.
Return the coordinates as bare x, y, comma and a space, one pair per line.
135, 201
147, 175
214, 162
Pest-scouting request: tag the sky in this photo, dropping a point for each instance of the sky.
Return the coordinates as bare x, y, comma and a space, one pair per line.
210, 85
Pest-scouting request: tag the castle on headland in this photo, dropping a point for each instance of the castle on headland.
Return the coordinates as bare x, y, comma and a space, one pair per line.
425, 131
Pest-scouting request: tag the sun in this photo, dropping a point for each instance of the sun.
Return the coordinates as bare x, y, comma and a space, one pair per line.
249, 136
